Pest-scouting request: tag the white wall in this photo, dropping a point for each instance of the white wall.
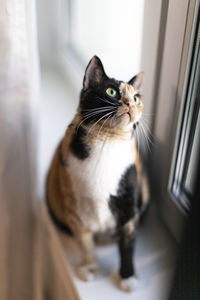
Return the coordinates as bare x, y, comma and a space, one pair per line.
112, 30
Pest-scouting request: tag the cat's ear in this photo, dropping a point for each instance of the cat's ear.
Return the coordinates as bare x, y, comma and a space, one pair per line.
137, 80
94, 73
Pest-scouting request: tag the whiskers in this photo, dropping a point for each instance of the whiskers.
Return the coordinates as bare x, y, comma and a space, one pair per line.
144, 138
94, 116
116, 104
96, 119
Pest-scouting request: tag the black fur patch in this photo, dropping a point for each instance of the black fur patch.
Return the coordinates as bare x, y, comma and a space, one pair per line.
126, 250
97, 98
124, 205
78, 147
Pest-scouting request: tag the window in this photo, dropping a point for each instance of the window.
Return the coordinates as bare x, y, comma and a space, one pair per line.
187, 153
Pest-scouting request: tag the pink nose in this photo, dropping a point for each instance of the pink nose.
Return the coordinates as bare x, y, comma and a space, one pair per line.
129, 103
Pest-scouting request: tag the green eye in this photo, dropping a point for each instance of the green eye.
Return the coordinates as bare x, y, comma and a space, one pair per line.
111, 92
136, 99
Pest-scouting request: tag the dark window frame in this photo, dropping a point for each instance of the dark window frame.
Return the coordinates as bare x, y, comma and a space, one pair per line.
181, 196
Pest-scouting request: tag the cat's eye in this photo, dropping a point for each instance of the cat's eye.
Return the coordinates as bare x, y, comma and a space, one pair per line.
136, 99
111, 92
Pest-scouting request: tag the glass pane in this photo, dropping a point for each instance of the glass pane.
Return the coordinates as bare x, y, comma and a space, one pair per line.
193, 160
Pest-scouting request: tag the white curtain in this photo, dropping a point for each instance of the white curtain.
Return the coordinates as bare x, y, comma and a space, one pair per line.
18, 102
25, 254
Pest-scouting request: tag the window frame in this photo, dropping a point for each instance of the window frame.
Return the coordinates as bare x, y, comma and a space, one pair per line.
172, 89
187, 124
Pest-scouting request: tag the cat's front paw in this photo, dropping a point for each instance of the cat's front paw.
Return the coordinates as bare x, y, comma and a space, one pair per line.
87, 272
129, 284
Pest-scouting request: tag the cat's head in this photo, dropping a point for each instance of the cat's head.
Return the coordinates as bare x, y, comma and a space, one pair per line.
107, 102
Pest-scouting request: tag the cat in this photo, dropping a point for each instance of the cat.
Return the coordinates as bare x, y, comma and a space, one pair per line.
97, 182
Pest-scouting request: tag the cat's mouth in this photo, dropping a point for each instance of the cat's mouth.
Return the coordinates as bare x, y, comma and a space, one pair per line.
126, 114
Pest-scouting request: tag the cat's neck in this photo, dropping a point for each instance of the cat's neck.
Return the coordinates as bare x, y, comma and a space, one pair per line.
102, 133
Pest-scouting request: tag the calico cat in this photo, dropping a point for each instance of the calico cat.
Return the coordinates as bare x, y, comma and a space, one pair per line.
96, 181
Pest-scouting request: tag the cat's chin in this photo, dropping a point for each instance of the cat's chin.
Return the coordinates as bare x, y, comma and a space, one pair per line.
124, 126
127, 116
125, 121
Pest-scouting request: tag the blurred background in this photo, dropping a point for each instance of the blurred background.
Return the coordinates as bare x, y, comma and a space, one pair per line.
45, 46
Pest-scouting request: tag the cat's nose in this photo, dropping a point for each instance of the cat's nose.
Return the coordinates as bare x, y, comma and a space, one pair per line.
129, 103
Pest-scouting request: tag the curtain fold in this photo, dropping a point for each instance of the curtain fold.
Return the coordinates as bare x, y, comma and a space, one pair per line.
23, 271
18, 102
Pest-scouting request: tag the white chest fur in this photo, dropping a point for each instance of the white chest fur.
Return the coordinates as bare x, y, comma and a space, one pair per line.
97, 177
